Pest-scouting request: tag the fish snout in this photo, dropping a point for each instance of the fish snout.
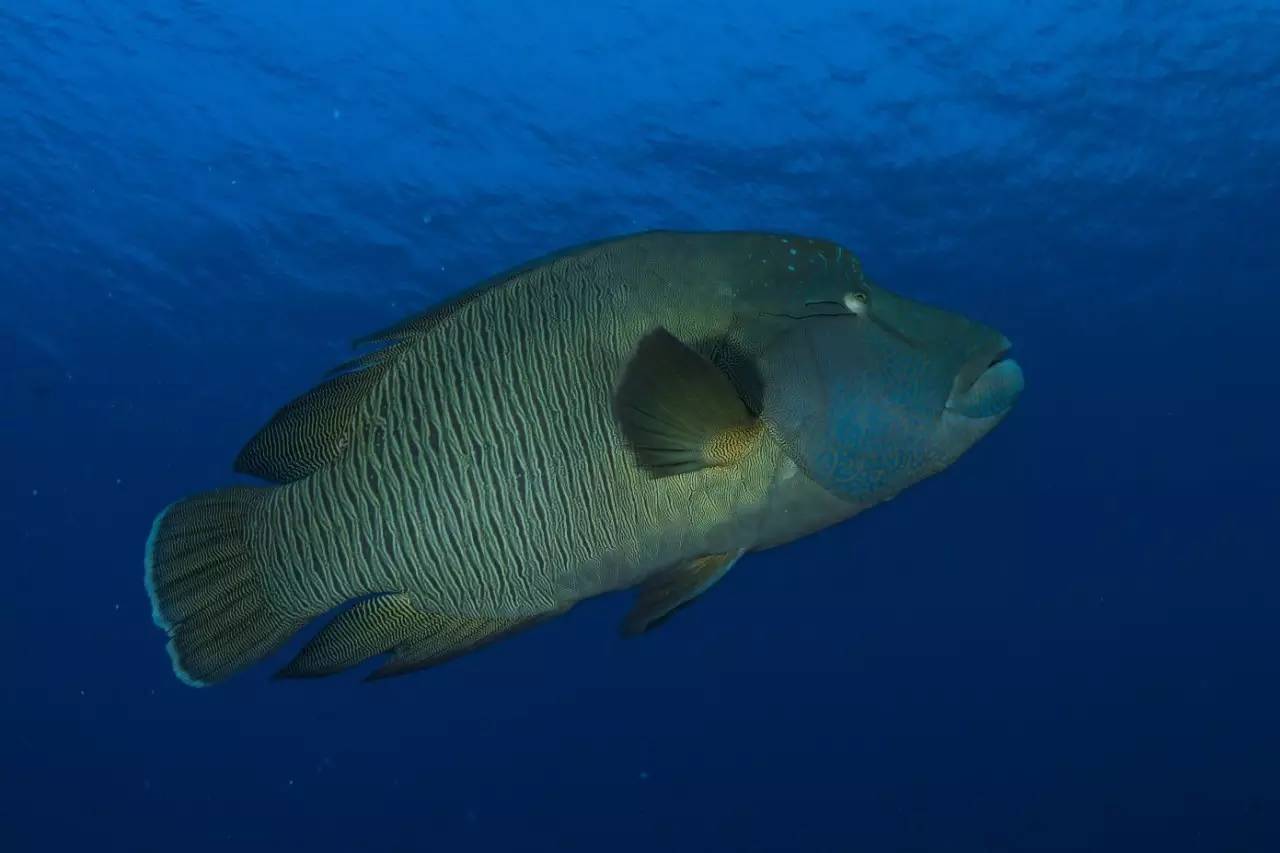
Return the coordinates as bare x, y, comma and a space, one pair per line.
988, 385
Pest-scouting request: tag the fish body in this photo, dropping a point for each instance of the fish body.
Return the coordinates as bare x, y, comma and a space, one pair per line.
636, 412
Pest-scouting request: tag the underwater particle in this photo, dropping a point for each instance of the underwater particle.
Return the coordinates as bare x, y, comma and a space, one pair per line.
337, 113
644, 775
35, 492
472, 816
426, 219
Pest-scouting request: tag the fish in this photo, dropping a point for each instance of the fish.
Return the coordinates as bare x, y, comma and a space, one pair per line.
639, 412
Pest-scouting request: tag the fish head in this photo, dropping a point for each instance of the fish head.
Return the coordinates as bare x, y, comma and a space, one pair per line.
870, 392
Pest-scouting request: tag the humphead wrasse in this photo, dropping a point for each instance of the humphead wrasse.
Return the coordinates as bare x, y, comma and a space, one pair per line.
639, 412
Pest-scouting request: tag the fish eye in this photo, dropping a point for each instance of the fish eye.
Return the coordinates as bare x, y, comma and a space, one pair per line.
856, 303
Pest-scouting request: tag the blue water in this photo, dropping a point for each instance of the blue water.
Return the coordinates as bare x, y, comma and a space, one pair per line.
1068, 641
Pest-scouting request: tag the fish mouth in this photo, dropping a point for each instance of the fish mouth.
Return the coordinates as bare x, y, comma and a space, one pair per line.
989, 386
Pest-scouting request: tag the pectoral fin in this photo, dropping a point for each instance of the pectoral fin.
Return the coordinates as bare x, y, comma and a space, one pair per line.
664, 594
679, 412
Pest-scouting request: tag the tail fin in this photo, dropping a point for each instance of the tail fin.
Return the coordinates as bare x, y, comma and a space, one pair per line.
207, 591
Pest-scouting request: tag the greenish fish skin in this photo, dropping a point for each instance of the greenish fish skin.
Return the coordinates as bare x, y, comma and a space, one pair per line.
478, 474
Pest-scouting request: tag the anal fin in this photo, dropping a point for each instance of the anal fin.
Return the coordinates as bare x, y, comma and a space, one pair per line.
665, 593
368, 628
445, 638
393, 623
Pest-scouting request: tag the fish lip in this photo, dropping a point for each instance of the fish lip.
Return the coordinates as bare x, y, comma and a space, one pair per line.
997, 367
1001, 355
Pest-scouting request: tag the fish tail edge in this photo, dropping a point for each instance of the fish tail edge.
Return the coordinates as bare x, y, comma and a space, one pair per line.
207, 592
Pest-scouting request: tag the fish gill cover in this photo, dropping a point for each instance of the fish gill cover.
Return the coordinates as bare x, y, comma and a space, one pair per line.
1067, 642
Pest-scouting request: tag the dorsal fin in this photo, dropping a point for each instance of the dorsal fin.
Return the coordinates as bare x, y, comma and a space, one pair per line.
309, 433
314, 430
425, 321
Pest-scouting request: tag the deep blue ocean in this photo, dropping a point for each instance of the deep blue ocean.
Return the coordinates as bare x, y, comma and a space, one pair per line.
1068, 641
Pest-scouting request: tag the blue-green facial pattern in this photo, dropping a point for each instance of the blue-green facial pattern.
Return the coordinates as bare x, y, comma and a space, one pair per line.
870, 391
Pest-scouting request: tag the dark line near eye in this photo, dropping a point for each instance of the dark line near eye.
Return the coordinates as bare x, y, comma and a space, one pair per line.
844, 316
850, 316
